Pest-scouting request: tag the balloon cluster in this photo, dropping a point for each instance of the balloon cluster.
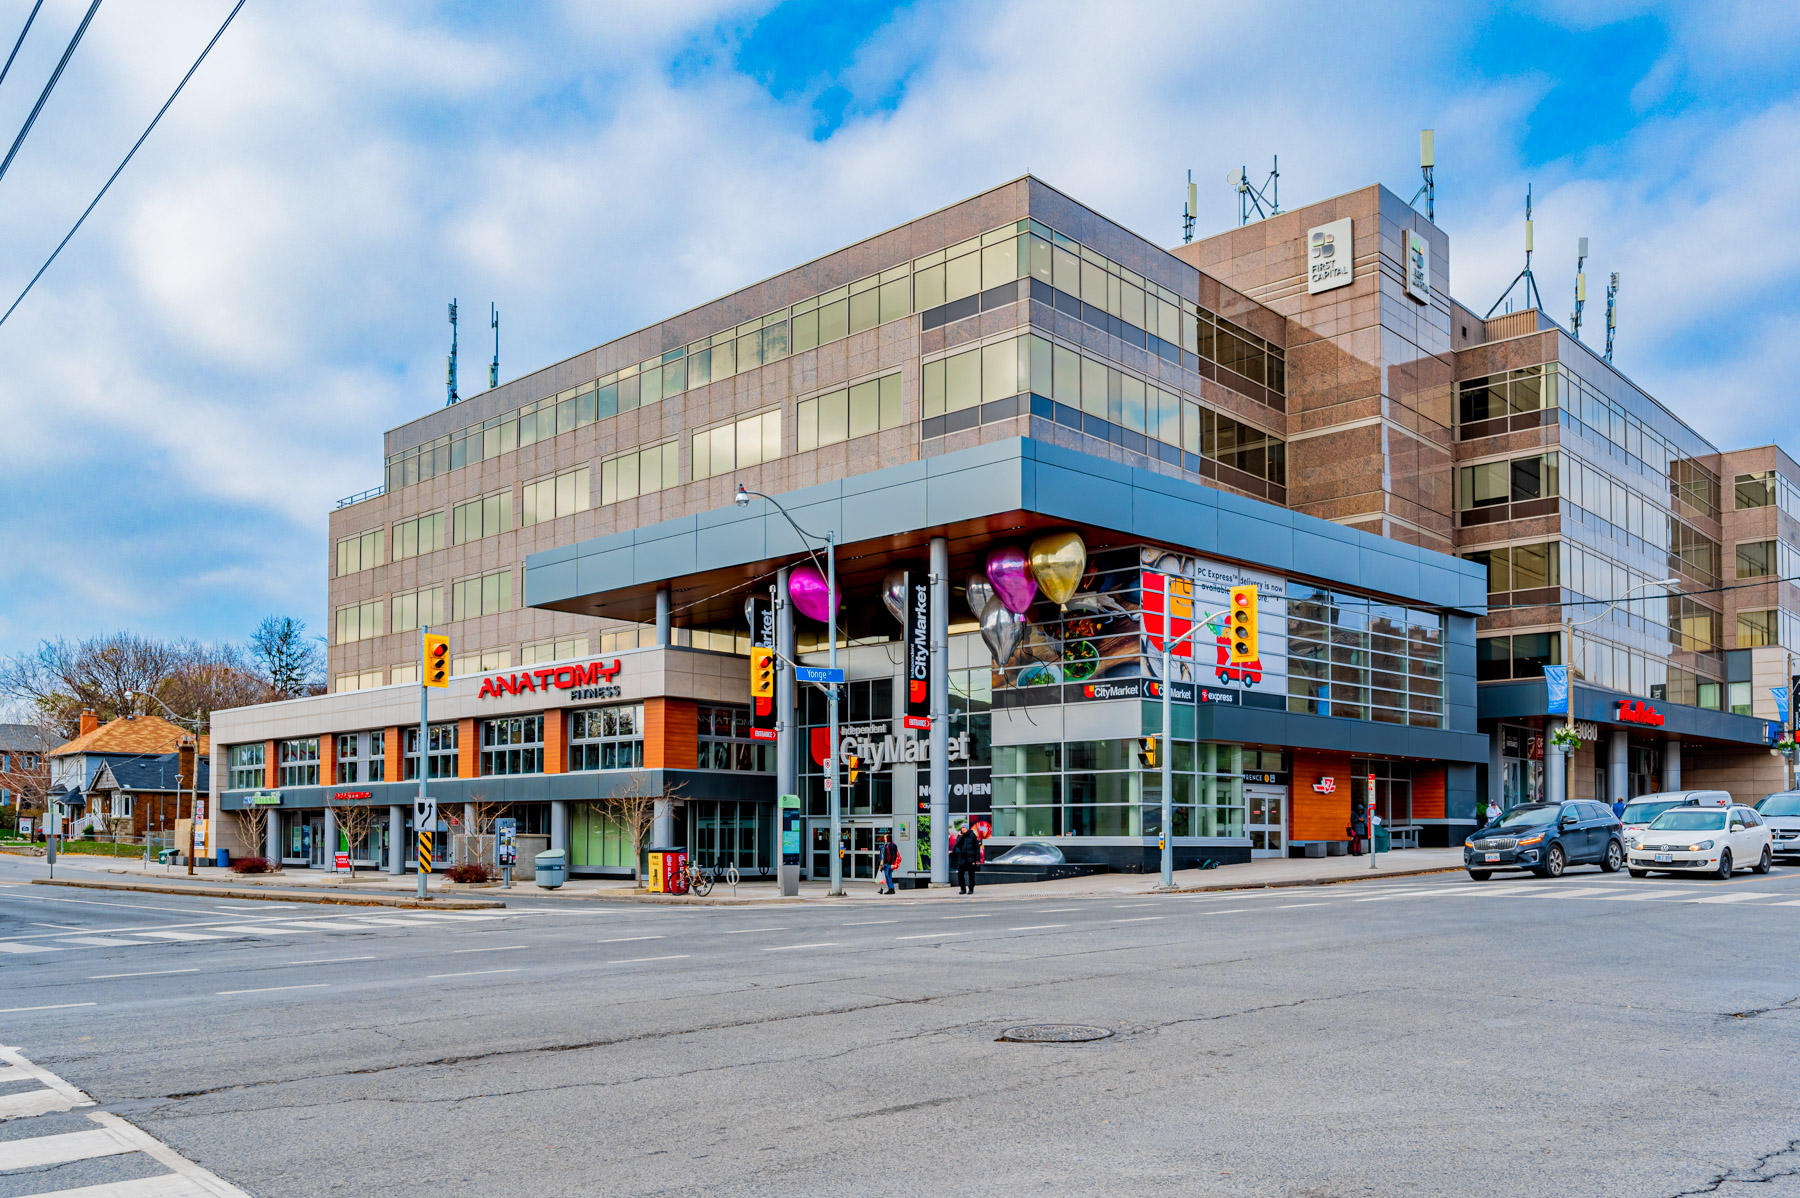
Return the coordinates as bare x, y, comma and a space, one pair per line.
999, 596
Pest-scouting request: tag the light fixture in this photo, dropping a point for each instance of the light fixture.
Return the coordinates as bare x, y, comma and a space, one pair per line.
742, 498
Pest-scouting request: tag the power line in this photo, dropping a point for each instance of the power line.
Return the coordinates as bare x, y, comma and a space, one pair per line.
30, 17
122, 165
49, 87
1761, 582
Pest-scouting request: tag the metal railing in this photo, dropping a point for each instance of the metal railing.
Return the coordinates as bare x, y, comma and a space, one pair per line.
371, 493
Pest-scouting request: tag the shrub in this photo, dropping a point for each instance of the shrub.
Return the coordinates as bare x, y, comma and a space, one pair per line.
470, 871
251, 865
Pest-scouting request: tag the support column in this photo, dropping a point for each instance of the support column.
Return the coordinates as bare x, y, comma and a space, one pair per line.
330, 839
1496, 779
396, 862
940, 711
274, 839
1618, 767
662, 826
1671, 779
786, 727
662, 617
468, 829
559, 825
1554, 772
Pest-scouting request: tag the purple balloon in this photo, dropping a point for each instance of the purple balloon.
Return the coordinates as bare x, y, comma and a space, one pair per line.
1010, 572
808, 589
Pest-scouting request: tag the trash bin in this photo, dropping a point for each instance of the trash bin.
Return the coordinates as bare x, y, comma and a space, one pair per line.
551, 868
224, 859
1383, 840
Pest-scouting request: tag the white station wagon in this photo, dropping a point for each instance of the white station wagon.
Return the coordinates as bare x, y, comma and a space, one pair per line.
1713, 840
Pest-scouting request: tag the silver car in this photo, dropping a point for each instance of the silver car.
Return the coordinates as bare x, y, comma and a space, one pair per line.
1781, 811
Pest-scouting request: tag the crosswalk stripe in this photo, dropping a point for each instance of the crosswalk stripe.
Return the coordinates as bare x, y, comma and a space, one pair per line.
256, 929
1740, 897
28, 948
60, 1150
100, 941
328, 925
184, 935
169, 1185
33, 1102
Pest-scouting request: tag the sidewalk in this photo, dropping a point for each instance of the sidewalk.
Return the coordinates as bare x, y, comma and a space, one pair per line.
385, 889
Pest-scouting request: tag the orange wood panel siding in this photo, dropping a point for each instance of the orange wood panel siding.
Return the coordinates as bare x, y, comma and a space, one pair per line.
328, 759
1315, 816
270, 768
391, 744
1428, 792
556, 741
468, 749
671, 734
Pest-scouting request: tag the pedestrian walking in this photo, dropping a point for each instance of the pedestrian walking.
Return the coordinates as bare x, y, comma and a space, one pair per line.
1619, 809
966, 856
890, 857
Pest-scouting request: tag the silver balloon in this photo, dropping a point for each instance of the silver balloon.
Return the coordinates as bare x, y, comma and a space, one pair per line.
1037, 645
978, 592
1094, 604
1002, 629
893, 594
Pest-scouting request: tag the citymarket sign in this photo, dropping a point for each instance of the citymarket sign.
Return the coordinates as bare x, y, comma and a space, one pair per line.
584, 682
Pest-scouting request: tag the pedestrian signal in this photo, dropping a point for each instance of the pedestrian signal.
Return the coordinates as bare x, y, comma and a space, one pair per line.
1241, 643
762, 673
437, 660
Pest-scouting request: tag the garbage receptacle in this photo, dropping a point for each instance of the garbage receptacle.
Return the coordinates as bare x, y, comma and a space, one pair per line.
1383, 840
224, 858
551, 868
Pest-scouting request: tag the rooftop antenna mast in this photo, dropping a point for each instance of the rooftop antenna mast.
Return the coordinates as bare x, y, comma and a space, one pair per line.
494, 366
1188, 214
1612, 312
1427, 164
1532, 298
1580, 288
450, 379
1265, 201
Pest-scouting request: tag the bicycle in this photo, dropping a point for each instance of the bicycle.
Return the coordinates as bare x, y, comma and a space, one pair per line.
697, 881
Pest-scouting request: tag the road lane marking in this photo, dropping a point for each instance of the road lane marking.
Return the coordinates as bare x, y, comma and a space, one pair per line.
983, 915
60, 1149
28, 948
1215, 911
58, 1006
470, 974
628, 939
148, 973
273, 989
1038, 927
637, 960
782, 948
1138, 919
866, 923
100, 941
494, 948
1297, 906
328, 960
933, 935
182, 936
746, 931
1057, 910
257, 929
1129, 906
1741, 896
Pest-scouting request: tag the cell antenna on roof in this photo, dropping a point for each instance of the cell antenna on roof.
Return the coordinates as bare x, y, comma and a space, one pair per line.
494, 366
1427, 164
1612, 312
1265, 201
1189, 213
1580, 288
1532, 298
450, 378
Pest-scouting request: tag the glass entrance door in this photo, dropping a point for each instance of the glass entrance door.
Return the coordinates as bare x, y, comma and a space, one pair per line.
861, 842
1264, 820
316, 841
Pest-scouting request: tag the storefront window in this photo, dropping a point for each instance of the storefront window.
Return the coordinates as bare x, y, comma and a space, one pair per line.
442, 751
299, 761
721, 834
606, 738
1109, 788
245, 763
725, 743
513, 745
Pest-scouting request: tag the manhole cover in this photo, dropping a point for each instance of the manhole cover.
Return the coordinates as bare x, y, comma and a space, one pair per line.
1053, 1033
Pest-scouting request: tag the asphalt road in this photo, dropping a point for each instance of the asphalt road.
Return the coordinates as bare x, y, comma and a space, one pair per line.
1593, 1035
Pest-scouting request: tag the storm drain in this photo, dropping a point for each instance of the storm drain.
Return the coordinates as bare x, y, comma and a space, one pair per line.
1053, 1033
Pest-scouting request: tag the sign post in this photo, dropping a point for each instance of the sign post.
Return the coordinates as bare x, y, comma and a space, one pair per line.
434, 670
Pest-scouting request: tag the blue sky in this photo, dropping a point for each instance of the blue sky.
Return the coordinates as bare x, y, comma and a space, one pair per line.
212, 362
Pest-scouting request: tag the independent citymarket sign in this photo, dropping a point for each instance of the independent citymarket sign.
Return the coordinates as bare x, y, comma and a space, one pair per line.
594, 680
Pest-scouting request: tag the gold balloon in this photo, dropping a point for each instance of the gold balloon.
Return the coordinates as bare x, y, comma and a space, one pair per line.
1058, 560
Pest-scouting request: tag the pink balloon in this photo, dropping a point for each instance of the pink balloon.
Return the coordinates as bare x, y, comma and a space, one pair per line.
1010, 572
808, 589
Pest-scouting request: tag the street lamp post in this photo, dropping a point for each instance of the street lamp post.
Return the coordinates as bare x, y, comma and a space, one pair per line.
193, 778
1568, 654
832, 797
1168, 747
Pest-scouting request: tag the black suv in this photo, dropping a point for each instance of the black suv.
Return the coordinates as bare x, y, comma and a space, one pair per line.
1545, 838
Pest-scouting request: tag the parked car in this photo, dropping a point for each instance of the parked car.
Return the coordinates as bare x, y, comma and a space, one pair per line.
1645, 808
1781, 812
1703, 839
1544, 838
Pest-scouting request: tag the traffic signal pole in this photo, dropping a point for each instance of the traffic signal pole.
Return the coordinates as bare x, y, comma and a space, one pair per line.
423, 833
1167, 748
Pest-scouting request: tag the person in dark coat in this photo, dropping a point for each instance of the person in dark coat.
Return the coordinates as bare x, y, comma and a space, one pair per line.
966, 857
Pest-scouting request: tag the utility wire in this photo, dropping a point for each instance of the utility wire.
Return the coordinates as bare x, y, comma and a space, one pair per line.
1741, 586
121, 168
32, 16
48, 87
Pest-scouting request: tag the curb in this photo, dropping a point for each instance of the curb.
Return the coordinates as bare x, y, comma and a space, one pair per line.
283, 896
1373, 875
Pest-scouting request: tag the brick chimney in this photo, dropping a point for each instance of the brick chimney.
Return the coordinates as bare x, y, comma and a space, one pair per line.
89, 722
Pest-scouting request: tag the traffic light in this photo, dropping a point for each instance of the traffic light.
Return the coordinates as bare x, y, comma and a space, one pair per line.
1241, 647
855, 764
437, 660
1147, 751
762, 673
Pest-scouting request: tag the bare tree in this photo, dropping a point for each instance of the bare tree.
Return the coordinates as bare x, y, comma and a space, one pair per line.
27, 772
354, 821
633, 811
483, 813
118, 825
253, 830
290, 660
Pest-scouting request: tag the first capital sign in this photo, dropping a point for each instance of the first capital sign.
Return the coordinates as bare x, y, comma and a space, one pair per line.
592, 680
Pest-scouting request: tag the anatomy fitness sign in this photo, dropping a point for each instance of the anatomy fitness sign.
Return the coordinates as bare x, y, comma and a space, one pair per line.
593, 680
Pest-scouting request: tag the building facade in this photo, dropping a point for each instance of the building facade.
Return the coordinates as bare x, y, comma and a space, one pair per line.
1421, 497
